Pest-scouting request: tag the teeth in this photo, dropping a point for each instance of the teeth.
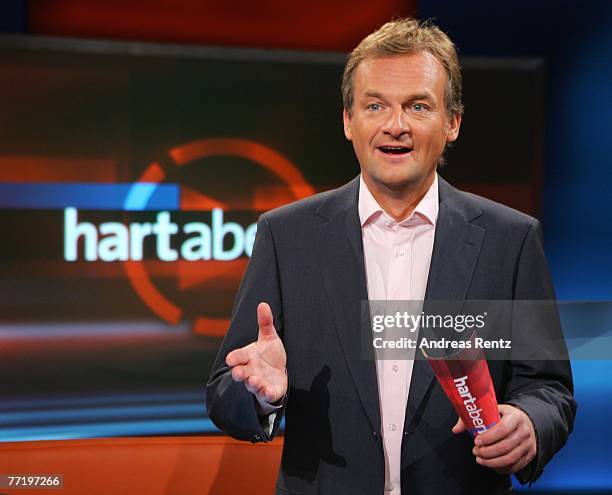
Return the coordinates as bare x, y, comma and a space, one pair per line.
394, 149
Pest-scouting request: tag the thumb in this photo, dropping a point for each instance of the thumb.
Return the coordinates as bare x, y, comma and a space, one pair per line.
459, 426
265, 321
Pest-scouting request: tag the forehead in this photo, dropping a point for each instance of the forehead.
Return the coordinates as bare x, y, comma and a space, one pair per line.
406, 73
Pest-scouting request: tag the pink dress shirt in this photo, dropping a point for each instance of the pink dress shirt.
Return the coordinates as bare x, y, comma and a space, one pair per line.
397, 259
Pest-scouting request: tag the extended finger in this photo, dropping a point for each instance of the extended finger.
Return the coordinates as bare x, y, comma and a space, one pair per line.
265, 320
252, 368
239, 373
239, 356
252, 384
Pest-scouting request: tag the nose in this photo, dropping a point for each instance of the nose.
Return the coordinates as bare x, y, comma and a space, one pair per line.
397, 123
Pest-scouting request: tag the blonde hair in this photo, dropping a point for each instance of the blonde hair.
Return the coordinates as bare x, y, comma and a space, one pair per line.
407, 36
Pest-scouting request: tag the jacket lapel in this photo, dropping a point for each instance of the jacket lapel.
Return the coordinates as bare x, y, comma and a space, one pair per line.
456, 248
340, 252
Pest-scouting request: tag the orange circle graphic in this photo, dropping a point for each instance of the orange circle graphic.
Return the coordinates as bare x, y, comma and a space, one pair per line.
255, 152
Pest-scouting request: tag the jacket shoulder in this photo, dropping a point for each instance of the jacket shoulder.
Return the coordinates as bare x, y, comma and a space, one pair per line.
322, 204
489, 212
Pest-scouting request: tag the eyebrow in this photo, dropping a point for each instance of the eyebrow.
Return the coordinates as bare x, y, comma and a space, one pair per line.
374, 94
418, 96
421, 96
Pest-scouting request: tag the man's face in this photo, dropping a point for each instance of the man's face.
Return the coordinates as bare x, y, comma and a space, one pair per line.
399, 125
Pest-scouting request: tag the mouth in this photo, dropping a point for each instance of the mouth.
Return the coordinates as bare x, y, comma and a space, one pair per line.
396, 150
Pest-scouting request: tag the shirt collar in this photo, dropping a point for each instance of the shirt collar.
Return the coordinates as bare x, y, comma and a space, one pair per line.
426, 211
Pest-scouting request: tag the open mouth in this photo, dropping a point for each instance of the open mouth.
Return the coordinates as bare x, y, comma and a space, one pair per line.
395, 150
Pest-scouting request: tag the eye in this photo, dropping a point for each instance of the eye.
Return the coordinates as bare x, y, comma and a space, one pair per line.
419, 107
374, 107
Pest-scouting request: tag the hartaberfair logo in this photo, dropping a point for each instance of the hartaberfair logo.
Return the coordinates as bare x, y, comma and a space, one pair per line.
196, 251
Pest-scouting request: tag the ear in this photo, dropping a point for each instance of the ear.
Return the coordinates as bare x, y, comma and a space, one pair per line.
454, 123
347, 125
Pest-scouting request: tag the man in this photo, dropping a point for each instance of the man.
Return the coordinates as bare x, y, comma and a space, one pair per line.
397, 232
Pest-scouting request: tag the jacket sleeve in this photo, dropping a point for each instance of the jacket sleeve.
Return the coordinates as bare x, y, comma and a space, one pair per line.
542, 387
230, 406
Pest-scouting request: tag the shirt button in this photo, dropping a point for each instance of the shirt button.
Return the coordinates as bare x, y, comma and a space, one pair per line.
389, 487
395, 368
393, 427
401, 252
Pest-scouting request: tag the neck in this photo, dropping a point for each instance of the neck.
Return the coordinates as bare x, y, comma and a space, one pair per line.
400, 202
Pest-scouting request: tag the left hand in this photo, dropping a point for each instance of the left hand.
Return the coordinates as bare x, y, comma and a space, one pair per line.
509, 445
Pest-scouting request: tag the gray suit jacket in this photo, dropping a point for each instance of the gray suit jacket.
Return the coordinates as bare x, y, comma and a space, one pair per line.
308, 265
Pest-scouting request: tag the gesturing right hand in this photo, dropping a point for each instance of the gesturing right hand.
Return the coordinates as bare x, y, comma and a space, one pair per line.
262, 364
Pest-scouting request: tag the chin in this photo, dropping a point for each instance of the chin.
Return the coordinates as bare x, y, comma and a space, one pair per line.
400, 180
